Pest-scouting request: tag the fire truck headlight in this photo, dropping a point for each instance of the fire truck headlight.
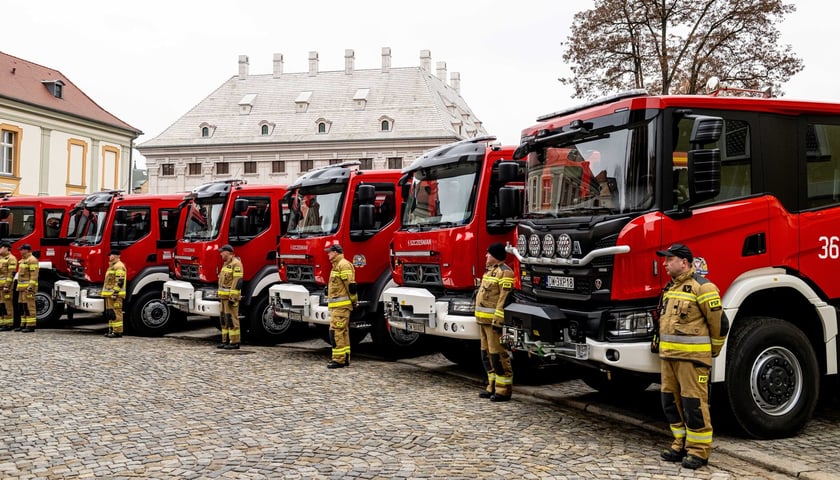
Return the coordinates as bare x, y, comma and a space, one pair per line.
462, 307
522, 245
548, 245
636, 324
534, 245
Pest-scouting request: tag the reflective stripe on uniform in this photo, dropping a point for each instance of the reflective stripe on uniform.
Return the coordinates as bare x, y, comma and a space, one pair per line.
485, 312
680, 296
501, 380
698, 437
338, 302
708, 297
678, 432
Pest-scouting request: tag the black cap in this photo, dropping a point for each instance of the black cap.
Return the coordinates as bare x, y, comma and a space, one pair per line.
26, 246
114, 252
334, 248
497, 250
5, 244
677, 250
226, 248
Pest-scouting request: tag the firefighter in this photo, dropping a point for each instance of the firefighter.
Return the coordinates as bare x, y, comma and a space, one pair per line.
342, 298
8, 266
26, 287
230, 293
113, 291
496, 285
692, 329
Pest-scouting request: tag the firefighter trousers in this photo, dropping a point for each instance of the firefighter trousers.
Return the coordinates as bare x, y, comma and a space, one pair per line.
7, 309
496, 361
230, 322
685, 401
340, 334
28, 311
114, 309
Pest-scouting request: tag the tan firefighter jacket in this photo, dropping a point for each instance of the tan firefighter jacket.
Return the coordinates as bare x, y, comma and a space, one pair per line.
230, 280
27, 272
690, 323
496, 285
114, 285
341, 290
8, 266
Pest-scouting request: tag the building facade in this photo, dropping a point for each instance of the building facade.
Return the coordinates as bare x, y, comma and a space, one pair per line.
271, 128
55, 140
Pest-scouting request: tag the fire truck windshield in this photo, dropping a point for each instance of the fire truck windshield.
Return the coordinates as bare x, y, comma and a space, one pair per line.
441, 196
91, 233
204, 219
612, 172
316, 210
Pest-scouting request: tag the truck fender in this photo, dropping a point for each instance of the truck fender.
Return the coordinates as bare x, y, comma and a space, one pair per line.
266, 277
146, 277
765, 278
373, 293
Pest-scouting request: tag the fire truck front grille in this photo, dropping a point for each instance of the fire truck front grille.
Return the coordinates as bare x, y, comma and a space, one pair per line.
425, 275
300, 273
189, 272
605, 242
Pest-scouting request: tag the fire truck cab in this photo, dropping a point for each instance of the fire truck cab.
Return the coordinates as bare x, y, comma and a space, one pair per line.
359, 210
48, 225
248, 217
451, 216
143, 228
751, 186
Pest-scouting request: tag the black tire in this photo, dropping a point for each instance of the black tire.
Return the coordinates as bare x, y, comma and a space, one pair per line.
393, 342
772, 377
465, 353
149, 315
48, 310
266, 328
357, 335
616, 383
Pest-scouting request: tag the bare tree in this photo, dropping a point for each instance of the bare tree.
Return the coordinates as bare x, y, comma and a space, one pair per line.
674, 46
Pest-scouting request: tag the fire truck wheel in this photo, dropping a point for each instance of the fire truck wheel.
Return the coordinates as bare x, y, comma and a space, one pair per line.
150, 316
772, 377
617, 383
393, 342
268, 329
48, 310
464, 353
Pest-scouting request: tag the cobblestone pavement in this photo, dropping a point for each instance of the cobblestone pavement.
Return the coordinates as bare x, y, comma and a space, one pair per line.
77, 405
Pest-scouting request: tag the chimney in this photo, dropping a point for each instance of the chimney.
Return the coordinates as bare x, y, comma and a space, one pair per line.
243, 67
455, 81
426, 60
313, 64
441, 71
278, 65
386, 59
349, 57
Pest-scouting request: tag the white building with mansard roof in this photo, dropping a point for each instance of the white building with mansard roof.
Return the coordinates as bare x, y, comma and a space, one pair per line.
271, 128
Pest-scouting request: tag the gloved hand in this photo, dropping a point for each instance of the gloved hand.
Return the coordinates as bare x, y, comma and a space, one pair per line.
716, 350
235, 297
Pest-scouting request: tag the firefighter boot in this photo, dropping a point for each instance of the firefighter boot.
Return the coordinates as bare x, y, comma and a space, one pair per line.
693, 463
671, 455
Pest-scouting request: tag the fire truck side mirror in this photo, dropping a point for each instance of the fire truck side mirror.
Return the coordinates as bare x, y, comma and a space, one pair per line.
121, 216
4, 213
703, 174
706, 130
239, 226
239, 206
366, 214
366, 194
4, 229
119, 232
509, 200
508, 172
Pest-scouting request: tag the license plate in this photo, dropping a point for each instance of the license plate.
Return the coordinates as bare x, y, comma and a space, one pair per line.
415, 327
566, 283
294, 316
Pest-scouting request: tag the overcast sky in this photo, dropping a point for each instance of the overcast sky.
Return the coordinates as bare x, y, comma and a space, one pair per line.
148, 63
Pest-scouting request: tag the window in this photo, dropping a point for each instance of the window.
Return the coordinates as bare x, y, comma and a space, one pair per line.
366, 164
823, 165
205, 131
322, 127
167, 170
385, 126
384, 210
110, 168
395, 163
335, 161
194, 168
250, 167
136, 223
306, 165
278, 166
52, 223
9, 149
264, 130
222, 168
168, 221
255, 219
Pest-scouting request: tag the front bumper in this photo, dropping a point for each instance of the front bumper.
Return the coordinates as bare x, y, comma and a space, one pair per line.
298, 304
418, 310
77, 297
186, 298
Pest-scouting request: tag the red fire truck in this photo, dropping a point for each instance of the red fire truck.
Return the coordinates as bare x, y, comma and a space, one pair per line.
46, 224
248, 217
357, 209
751, 185
451, 217
144, 229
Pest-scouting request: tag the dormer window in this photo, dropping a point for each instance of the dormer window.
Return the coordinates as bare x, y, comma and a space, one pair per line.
56, 87
302, 102
386, 126
386, 123
360, 98
266, 128
206, 129
247, 103
323, 125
